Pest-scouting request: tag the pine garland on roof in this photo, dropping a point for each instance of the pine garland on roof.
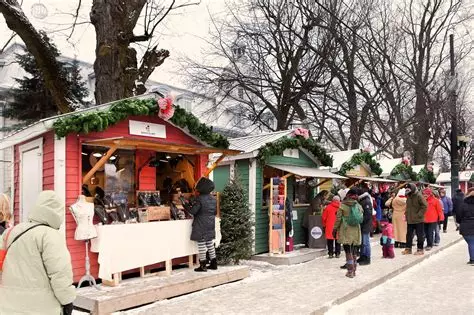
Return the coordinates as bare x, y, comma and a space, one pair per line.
277, 147
426, 176
358, 159
99, 120
404, 172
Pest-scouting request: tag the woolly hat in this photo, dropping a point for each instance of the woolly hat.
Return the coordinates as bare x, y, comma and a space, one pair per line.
336, 198
353, 191
205, 185
401, 192
428, 192
342, 193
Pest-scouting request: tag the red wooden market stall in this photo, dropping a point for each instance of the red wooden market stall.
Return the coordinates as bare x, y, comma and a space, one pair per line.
121, 153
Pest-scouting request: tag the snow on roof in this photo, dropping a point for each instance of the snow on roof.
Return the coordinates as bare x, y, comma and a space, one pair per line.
464, 176
388, 165
342, 156
417, 168
252, 143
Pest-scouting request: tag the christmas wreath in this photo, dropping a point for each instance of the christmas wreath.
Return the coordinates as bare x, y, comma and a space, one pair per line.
427, 176
358, 159
298, 141
404, 171
99, 120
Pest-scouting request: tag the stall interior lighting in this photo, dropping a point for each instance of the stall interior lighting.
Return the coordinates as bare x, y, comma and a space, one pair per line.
164, 161
84, 153
113, 157
97, 154
168, 157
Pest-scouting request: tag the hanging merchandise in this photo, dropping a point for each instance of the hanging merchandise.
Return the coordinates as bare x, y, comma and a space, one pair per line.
166, 109
277, 235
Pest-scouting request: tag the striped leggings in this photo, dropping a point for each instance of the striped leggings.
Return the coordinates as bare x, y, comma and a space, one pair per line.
203, 247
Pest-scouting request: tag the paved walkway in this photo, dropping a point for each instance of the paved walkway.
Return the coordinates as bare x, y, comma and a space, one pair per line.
307, 288
443, 284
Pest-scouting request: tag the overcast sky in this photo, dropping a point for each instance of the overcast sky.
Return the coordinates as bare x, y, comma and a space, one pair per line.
182, 32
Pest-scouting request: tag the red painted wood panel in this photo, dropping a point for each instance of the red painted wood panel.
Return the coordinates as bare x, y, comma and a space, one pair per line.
146, 177
173, 134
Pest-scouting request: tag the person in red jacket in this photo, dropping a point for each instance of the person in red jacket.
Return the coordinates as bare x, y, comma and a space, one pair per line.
329, 218
434, 213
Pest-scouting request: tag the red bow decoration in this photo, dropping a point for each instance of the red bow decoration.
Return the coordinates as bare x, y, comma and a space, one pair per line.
166, 109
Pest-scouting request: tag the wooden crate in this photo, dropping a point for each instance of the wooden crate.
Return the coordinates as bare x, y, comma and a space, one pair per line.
158, 213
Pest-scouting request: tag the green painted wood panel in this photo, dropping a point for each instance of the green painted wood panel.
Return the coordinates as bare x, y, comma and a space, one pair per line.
303, 160
221, 176
261, 216
242, 173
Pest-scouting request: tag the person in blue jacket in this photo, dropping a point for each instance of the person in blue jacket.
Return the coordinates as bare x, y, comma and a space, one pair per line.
447, 208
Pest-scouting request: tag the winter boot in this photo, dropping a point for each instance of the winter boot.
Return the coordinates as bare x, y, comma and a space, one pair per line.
407, 251
202, 266
350, 269
365, 262
419, 252
343, 266
213, 264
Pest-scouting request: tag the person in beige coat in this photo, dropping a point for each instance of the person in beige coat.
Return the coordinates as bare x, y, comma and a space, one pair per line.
399, 207
37, 272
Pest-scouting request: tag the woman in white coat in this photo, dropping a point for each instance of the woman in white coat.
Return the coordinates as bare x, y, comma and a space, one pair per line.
37, 271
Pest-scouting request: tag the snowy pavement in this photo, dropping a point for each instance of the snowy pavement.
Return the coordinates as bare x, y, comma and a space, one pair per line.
311, 287
442, 284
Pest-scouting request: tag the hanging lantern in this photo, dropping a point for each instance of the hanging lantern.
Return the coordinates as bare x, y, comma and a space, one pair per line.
39, 11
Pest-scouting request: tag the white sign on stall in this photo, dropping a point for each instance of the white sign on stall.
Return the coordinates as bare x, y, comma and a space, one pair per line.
141, 128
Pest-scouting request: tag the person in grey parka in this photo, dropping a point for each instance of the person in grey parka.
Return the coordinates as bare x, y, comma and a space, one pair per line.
37, 272
204, 209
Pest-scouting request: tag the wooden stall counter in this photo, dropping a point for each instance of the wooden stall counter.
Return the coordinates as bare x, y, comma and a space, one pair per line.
123, 247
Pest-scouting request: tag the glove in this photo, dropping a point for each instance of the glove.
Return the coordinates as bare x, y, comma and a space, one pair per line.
67, 309
381, 241
334, 233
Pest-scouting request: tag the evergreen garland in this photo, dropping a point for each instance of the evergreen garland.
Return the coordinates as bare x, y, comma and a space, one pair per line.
236, 225
99, 120
358, 159
404, 172
277, 147
426, 176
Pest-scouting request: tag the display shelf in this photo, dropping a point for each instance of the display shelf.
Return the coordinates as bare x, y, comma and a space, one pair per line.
276, 214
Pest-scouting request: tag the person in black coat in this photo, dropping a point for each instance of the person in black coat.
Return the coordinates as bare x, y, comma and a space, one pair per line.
365, 200
458, 200
204, 210
465, 218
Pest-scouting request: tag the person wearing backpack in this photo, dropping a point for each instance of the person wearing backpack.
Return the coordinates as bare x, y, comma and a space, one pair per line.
415, 217
347, 226
37, 271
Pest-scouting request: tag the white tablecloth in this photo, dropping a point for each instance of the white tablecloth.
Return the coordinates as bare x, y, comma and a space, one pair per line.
123, 247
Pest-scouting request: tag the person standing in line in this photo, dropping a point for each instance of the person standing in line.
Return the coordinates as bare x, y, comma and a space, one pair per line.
329, 218
458, 200
433, 215
399, 206
437, 237
415, 216
349, 229
366, 202
447, 208
204, 209
37, 271
5, 214
465, 218
316, 206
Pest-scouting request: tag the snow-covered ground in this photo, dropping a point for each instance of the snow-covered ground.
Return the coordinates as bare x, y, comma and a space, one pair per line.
442, 284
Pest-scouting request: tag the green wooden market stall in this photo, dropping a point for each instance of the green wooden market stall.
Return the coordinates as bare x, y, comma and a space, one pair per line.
284, 154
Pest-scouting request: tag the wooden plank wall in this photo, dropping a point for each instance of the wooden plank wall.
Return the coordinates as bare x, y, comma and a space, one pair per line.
48, 169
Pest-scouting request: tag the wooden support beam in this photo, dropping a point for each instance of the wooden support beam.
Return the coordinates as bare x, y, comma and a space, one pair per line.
283, 177
99, 164
218, 204
214, 165
168, 267
191, 261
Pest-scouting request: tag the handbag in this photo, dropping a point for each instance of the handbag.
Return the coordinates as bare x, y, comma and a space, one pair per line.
3, 252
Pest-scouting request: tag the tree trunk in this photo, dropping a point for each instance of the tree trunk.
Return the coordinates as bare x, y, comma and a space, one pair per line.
421, 130
116, 69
